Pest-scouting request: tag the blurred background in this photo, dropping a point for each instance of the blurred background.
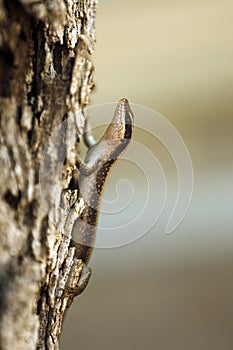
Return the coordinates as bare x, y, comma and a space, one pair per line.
167, 291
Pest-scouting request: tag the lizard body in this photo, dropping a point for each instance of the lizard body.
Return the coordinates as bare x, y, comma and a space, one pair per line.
94, 171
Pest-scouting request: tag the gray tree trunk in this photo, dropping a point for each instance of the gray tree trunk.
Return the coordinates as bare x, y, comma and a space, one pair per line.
45, 79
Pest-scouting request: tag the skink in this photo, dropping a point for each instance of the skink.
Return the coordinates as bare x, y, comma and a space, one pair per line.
93, 172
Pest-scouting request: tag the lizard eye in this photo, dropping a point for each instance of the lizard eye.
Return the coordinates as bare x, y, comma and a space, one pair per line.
128, 131
128, 119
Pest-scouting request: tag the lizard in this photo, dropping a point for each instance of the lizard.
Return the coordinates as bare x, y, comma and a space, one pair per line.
93, 173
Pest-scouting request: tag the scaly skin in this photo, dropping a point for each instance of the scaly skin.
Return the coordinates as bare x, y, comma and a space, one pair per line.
94, 171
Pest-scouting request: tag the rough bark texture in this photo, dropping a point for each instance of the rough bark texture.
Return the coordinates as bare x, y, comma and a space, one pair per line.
45, 79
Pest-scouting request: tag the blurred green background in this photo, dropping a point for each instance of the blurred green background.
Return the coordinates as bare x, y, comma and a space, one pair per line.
168, 291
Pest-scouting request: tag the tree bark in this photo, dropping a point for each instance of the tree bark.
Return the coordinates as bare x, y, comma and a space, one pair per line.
46, 76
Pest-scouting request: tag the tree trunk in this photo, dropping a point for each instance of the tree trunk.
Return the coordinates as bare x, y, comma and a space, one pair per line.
45, 82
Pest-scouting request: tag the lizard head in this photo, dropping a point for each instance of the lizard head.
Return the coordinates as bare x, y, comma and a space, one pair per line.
121, 126
116, 137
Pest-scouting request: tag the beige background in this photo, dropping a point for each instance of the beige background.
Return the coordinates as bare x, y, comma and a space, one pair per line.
168, 292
